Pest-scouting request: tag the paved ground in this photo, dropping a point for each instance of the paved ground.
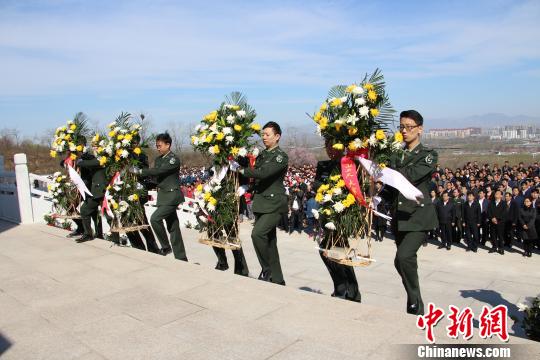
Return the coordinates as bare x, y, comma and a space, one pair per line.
59, 299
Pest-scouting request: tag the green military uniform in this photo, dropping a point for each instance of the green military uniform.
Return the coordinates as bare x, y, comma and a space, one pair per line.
269, 202
411, 221
98, 183
169, 196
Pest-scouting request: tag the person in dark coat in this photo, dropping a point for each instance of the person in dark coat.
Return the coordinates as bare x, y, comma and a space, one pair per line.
510, 219
484, 205
496, 212
446, 213
472, 220
527, 217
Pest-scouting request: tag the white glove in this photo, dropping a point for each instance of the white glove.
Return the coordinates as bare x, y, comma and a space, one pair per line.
233, 165
135, 170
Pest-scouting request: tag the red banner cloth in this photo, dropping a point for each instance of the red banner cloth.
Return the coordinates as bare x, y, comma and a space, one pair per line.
349, 174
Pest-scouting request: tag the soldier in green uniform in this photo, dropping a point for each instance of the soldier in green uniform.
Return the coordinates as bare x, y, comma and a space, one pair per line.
413, 219
169, 196
269, 202
89, 164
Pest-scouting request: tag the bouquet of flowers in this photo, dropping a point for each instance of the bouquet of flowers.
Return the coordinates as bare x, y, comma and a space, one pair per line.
117, 153
70, 138
224, 135
355, 119
65, 196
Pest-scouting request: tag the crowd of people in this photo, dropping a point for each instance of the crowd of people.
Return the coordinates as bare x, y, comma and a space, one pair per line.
477, 205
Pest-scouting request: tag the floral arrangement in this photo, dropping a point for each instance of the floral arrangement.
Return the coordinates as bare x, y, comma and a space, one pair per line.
531, 318
117, 152
356, 120
224, 135
70, 138
64, 194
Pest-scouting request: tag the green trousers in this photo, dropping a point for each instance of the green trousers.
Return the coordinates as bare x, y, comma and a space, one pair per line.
265, 243
168, 213
406, 264
240, 264
89, 211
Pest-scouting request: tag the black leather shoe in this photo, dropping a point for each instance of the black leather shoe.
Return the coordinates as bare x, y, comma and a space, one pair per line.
99, 236
529, 254
424, 244
414, 309
222, 267
74, 234
475, 250
501, 252
84, 238
264, 276
492, 250
281, 283
165, 251
440, 247
448, 247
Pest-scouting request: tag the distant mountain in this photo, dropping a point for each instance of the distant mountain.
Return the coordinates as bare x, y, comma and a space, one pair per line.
484, 121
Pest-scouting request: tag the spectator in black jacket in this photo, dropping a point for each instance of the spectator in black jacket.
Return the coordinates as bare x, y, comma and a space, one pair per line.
496, 213
484, 205
472, 220
510, 219
527, 217
446, 212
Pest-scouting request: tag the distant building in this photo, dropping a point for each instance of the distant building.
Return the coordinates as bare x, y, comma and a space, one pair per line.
453, 133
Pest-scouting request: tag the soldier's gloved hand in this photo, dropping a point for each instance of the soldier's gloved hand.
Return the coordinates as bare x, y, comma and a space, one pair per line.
135, 170
233, 165
78, 161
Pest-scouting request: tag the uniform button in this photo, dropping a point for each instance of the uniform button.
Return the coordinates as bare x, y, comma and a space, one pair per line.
399, 203
421, 205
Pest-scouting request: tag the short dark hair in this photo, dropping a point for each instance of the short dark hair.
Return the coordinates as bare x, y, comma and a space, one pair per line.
274, 126
414, 115
165, 137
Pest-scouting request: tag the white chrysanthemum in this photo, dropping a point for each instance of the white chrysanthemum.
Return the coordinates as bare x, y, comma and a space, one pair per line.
204, 127
72, 147
117, 188
396, 146
211, 207
242, 151
207, 188
213, 128
59, 190
372, 140
124, 154
117, 145
337, 191
358, 90
139, 186
57, 174
315, 213
226, 130
357, 143
69, 131
241, 113
327, 198
255, 152
195, 141
125, 142
330, 226
109, 150
198, 127
341, 121
229, 139
111, 125
383, 144
352, 119
123, 131
211, 150
343, 99
230, 119
131, 198
55, 201
360, 101
339, 207
364, 111
216, 188
123, 206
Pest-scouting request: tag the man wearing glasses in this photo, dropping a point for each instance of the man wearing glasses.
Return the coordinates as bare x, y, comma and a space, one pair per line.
413, 219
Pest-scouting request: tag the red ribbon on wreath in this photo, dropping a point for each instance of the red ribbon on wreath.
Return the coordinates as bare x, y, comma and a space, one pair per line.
349, 174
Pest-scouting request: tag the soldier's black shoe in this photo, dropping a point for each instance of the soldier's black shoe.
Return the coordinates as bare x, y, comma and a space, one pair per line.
264, 276
475, 250
74, 234
84, 238
424, 244
492, 250
222, 267
448, 247
165, 251
440, 247
414, 309
281, 283
501, 251
99, 236
529, 254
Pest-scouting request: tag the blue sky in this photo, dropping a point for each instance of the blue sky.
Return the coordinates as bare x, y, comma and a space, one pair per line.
175, 60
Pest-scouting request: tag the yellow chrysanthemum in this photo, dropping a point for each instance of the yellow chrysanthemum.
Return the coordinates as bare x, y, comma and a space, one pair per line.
59, 179
102, 160
338, 127
353, 131
53, 153
235, 107
398, 136
372, 95
327, 212
238, 127
368, 86
95, 138
380, 135
199, 188
128, 137
352, 146
79, 148
319, 197
338, 146
73, 127
234, 151
212, 201
340, 183
193, 139
365, 143
211, 116
374, 112
256, 127
324, 106
335, 178
382, 165
73, 156
135, 197
112, 133
114, 205
323, 124
137, 150
323, 188
120, 137
207, 195
67, 137
336, 102
215, 149
220, 136
117, 158
350, 88
209, 138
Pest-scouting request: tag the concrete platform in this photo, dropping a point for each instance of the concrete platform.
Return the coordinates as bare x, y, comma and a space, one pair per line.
62, 300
